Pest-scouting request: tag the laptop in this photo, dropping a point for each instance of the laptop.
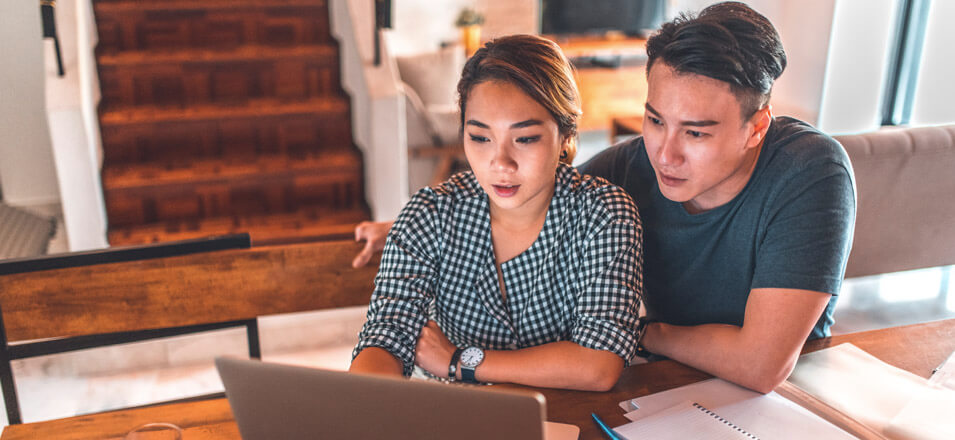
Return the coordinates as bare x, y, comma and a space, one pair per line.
274, 401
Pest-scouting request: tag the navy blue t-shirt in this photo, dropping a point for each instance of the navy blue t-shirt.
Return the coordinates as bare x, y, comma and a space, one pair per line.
790, 227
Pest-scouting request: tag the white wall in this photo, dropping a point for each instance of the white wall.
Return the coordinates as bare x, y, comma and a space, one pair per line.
859, 50
935, 93
804, 28
422, 25
27, 172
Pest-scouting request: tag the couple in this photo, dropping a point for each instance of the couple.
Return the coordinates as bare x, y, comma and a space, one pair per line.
526, 271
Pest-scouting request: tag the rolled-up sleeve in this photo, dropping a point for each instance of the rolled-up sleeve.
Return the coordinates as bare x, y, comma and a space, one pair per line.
404, 286
611, 281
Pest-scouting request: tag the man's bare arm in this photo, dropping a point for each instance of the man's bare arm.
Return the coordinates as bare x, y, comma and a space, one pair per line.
759, 355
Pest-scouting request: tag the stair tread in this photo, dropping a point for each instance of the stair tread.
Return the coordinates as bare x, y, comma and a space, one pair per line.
249, 108
285, 227
186, 5
251, 52
218, 170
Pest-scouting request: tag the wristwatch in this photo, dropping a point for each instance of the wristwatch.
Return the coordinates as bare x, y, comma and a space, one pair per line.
471, 357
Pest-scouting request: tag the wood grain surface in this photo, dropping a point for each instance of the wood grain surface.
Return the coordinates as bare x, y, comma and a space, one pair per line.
187, 290
917, 348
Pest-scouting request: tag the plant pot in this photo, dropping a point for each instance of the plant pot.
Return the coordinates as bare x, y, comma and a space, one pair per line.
471, 38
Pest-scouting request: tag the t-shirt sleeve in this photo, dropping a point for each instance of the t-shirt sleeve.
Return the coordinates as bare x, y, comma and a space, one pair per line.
611, 281
404, 286
807, 239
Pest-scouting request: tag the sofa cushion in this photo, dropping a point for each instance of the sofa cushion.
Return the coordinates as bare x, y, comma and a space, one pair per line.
905, 179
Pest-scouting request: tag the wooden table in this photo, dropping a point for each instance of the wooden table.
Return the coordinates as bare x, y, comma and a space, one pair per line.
917, 348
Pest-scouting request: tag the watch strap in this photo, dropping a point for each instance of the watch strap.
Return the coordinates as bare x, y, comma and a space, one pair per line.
467, 375
453, 366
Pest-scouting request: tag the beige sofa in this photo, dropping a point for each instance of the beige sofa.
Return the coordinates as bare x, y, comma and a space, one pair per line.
905, 180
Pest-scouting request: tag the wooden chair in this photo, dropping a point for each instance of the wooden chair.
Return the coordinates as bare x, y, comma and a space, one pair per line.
71, 307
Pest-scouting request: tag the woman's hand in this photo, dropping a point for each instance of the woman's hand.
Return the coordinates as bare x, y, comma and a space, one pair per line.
374, 234
434, 350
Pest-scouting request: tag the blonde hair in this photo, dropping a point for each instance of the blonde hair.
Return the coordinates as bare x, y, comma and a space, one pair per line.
538, 67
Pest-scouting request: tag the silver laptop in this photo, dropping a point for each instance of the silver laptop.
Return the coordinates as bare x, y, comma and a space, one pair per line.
273, 401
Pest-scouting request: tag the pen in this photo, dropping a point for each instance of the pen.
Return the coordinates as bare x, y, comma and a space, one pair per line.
606, 429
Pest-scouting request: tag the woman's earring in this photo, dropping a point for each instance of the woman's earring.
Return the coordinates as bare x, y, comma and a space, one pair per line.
563, 154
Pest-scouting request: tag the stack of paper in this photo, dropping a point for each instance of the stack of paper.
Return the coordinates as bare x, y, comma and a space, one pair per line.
891, 401
768, 416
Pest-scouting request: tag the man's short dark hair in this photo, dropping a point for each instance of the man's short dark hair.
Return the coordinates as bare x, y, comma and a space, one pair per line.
729, 42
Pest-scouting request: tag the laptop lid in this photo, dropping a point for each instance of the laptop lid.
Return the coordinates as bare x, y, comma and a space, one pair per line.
272, 401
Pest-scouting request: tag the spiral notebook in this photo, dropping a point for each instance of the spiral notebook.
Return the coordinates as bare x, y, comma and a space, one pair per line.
689, 417
767, 416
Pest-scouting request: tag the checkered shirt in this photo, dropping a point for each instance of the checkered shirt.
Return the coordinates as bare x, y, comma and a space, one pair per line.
580, 281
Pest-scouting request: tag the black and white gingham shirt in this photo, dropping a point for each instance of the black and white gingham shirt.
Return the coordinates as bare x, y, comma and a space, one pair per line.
580, 281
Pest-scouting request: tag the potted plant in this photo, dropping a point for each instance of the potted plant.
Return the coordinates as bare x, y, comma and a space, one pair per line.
470, 21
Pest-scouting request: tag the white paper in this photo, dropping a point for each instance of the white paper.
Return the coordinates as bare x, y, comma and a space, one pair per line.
930, 415
684, 420
858, 384
768, 416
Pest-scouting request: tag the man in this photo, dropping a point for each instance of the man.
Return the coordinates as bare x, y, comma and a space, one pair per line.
747, 218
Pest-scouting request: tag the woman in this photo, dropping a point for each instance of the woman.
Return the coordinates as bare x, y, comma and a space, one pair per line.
521, 270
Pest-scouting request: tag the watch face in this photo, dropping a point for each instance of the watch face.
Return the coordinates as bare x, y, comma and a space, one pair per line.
472, 357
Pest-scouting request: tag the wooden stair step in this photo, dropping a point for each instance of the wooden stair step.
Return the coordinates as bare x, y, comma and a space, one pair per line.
252, 52
302, 225
213, 77
216, 171
147, 193
254, 108
136, 25
255, 127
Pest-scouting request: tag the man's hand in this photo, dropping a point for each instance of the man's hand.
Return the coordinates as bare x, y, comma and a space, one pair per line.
434, 350
374, 234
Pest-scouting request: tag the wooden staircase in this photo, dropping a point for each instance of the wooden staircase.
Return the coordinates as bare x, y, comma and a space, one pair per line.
224, 116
